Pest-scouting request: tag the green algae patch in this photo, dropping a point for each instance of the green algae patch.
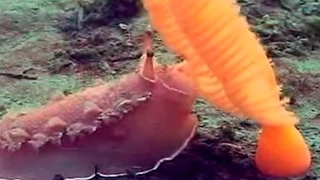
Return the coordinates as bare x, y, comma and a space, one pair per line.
32, 94
308, 65
307, 109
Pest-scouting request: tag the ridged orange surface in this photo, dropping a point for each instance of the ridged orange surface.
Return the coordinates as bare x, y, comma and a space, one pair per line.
223, 41
212, 33
208, 85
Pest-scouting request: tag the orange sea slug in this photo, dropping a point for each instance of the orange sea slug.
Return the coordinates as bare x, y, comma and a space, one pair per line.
212, 33
139, 121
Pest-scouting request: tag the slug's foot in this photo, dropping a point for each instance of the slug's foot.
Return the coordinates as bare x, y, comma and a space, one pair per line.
58, 177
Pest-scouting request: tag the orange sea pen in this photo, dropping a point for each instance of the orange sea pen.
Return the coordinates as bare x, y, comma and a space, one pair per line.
222, 40
208, 85
233, 56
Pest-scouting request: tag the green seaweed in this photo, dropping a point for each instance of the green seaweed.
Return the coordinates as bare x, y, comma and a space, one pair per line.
31, 94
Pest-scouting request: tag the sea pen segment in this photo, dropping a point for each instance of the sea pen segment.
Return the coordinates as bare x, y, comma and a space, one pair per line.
167, 26
209, 87
207, 84
221, 42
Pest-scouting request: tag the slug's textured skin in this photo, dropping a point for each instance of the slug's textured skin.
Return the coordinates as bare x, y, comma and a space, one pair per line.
138, 121
211, 33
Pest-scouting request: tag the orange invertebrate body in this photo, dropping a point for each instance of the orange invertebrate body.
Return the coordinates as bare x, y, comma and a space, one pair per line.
213, 34
139, 121
208, 85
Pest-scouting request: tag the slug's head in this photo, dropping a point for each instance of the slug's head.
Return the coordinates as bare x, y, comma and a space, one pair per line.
172, 78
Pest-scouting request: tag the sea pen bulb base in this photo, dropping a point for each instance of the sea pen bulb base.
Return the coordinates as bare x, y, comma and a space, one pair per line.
282, 152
